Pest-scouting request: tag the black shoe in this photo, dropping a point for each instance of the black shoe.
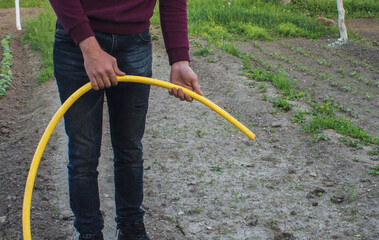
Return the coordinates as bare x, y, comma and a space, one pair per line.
135, 231
97, 237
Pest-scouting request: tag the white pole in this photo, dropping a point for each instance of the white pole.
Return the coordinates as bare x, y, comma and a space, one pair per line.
18, 19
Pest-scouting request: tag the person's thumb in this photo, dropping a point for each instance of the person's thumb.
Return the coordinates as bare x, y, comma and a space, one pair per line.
117, 70
196, 88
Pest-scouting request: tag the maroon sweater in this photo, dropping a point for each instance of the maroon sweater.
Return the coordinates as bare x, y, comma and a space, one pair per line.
81, 17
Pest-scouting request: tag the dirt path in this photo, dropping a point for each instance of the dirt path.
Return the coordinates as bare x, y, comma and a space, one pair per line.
203, 178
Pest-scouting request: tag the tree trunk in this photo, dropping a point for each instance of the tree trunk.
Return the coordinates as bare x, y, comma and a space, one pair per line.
341, 22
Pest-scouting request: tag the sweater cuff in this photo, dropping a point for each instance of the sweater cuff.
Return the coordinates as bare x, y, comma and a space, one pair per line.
81, 32
178, 54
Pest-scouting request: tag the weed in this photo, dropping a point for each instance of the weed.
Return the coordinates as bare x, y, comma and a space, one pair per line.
154, 37
374, 170
281, 103
350, 143
299, 116
216, 168
321, 61
340, 125
246, 64
203, 51
209, 60
262, 87
346, 88
350, 192
302, 68
251, 83
320, 136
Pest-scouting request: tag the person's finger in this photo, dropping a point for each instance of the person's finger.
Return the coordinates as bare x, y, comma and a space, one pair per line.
94, 83
188, 98
99, 82
173, 91
180, 94
117, 71
106, 81
196, 88
113, 79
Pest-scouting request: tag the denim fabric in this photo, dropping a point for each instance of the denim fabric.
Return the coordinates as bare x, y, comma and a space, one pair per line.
127, 105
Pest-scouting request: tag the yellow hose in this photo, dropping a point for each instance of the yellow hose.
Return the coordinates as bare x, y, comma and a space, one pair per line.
67, 104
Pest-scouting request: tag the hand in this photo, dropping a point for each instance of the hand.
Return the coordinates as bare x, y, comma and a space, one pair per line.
101, 67
183, 75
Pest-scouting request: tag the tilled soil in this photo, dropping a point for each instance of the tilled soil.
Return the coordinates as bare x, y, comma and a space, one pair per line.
203, 178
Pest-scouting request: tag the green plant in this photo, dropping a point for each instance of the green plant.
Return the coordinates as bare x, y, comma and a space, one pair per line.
350, 192
346, 88
262, 87
350, 143
216, 168
40, 35
29, 3
299, 116
340, 125
6, 75
203, 51
374, 170
320, 136
290, 29
281, 103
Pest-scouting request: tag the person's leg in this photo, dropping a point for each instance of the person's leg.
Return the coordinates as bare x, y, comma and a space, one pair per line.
83, 124
128, 103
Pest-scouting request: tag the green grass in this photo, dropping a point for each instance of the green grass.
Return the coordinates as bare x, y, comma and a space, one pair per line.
340, 125
40, 35
23, 3
328, 8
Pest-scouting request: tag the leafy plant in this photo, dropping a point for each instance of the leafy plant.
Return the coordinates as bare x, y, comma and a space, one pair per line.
374, 170
281, 103
299, 116
203, 51
6, 75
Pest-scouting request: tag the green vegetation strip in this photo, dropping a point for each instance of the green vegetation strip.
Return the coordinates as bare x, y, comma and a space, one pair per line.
6, 75
40, 35
23, 3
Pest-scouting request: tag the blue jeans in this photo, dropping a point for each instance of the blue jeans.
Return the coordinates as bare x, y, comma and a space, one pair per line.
127, 105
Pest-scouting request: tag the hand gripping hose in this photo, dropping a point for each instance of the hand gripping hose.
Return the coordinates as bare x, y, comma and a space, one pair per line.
67, 104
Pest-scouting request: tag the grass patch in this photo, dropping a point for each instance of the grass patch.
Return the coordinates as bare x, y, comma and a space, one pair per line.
340, 125
328, 8
40, 35
27, 3
205, 51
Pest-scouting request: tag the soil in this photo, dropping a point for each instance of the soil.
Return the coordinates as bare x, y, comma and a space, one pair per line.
203, 178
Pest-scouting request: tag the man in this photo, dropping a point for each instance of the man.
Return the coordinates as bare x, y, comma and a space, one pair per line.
96, 41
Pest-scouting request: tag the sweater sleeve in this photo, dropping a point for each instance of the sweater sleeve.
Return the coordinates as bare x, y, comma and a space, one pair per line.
173, 15
71, 15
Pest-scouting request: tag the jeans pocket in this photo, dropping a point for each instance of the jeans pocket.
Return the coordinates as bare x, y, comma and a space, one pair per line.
60, 33
145, 36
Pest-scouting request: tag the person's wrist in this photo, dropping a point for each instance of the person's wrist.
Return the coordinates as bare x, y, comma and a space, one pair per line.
88, 45
180, 63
